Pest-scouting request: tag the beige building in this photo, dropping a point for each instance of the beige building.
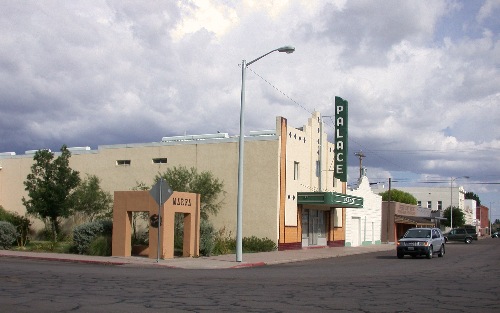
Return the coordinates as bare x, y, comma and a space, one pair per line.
290, 195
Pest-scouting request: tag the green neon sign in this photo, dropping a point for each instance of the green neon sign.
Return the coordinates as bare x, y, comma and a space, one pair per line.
341, 109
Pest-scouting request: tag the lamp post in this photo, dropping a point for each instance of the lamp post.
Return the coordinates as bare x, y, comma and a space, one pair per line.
239, 210
451, 198
489, 217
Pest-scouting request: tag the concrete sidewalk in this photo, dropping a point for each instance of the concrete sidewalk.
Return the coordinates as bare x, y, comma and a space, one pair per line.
215, 262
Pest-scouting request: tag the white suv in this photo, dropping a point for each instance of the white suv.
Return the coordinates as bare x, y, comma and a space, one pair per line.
421, 241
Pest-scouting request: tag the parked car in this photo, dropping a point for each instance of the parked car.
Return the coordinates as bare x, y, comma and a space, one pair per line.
461, 234
495, 234
421, 241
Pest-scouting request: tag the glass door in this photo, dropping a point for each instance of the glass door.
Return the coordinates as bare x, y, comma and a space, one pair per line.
313, 227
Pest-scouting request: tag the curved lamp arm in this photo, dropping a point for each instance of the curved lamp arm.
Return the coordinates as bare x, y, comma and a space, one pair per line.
287, 49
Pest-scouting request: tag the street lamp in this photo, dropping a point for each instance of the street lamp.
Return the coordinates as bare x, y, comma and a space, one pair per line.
239, 210
451, 198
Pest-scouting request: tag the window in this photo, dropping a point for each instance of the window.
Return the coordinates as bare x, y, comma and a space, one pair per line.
160, 160
123, 162
429, 204
440, 205
419, 203
317, 168
295, 170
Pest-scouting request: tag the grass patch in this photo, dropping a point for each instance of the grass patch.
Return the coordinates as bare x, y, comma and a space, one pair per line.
46, 246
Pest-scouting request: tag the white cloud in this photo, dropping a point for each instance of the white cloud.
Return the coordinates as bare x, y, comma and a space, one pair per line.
204, 14
421, 77
487, 10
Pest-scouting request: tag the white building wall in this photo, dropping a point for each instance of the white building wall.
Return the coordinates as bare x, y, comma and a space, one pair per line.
470, 212
363, 226
303, 146
445, 195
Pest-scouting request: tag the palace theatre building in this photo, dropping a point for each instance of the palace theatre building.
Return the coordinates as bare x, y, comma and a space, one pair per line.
290, 193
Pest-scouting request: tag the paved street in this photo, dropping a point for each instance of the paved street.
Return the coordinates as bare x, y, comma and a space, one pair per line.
465, 280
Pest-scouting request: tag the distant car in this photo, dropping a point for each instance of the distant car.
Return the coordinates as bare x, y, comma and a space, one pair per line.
421, 241
495, 234
461, 234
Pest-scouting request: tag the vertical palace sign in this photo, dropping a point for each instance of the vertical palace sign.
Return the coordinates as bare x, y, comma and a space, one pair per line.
340, 139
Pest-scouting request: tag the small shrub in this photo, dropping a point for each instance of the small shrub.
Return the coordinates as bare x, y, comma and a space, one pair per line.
84, 234
101, 246
46, 234
21, 223
207, 240
254, 244
223, 242
140, 238
8, 235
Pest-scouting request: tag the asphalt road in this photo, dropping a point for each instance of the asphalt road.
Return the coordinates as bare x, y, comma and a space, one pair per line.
465, 280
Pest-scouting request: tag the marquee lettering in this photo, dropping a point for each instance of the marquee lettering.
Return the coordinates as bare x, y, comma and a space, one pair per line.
340, 122
339, 168
340, 157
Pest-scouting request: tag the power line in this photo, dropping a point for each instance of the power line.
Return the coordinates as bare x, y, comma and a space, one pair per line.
277, 89
378, 152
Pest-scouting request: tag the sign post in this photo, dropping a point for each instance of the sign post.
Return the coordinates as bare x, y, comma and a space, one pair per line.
161, 191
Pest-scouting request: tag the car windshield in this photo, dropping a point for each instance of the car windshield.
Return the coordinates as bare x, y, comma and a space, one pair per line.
418, 233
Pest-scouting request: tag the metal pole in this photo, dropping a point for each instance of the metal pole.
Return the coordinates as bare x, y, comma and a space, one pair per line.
451, 202
389, 214
489, 217
159, 224
239, 209
320, 152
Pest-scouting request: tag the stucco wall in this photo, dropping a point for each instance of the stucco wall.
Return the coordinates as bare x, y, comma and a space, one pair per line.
303, 146
219, 157
368, 217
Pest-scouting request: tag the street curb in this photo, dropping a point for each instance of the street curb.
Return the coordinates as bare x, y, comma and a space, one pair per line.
249, 265
63, 259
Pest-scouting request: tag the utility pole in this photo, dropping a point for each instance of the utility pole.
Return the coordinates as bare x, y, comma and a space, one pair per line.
389, 211
360, 155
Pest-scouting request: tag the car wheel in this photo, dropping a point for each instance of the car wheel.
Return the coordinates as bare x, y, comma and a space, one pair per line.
441, 252
400, 255
429, 254
468, 240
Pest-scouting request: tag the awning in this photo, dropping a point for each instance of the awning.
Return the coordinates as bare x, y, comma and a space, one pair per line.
332, 199
413, 220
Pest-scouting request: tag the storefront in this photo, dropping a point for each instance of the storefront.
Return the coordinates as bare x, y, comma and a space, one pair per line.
322, 216
398, 217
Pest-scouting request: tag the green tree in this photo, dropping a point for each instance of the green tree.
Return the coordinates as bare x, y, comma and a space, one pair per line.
189, 180
49, 186
458, 217
398, 196
473, 196
90, 201
210, 189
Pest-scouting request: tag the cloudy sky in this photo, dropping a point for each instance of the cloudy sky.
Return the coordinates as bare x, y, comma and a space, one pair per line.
422, 77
